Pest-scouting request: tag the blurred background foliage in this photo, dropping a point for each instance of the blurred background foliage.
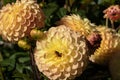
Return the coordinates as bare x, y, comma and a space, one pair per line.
15, 62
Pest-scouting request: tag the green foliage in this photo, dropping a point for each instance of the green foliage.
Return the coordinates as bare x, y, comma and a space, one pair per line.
15, 63
8, 1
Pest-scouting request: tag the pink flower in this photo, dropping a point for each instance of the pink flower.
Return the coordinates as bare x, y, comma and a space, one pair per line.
112, 12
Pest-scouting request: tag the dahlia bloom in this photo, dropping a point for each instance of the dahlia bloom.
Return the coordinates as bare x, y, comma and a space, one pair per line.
112, 12
62, 55
18, 19
109, 45
76, 23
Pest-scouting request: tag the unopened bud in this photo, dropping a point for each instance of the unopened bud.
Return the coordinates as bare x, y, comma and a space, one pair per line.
36, 34
23, 44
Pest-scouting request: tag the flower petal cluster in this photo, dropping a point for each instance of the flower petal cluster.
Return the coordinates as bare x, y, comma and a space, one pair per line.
76, 23
18, 19
112, 12
109, 45
62, 55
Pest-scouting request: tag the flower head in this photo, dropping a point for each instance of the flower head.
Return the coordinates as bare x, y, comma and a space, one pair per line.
62, 54
18, 19
112, 12
76, 23
109, 45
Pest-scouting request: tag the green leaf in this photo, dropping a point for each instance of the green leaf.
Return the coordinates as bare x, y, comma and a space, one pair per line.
9, 63
50, 8
62, 12
8, 1
106, 1
1, 57
21, 76
24, 59
19, 54
28, 68
21, 67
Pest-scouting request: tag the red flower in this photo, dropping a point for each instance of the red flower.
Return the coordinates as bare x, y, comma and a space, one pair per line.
113, 12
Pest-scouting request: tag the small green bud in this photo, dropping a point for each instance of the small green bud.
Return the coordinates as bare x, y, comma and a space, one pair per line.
42, 4
23, 44
36, 34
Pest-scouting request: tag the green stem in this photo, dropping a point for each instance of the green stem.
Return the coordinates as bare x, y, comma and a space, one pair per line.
67, 5
1, 73
112, 23
106, 22
34, 67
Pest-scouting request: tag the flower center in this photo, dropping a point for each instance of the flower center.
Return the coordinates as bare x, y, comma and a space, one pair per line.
114, 14
58, 54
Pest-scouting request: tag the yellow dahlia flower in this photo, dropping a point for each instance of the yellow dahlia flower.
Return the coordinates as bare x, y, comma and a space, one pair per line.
110, 44
102, 28
62, 55
75, 22
18, 19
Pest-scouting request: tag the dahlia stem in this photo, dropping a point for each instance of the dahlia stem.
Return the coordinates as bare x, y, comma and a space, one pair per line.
106, 22
36, 75
117, 29
67, 5
112, 23
1, 73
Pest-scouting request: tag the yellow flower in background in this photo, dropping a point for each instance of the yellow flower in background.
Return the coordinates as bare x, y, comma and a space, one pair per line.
62, 55
18, 19
76, 23
102, 28
110, 44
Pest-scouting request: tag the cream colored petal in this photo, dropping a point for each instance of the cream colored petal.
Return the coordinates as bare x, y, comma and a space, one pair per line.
9, 38
16, 34
19, 19
24, 29
71, 62
75, 66
16, 39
